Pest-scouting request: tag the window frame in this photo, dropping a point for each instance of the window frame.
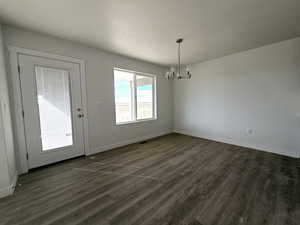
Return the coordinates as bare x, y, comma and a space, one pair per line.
134, 103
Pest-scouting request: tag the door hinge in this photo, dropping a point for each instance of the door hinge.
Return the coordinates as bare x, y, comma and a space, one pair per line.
23, 114
19, 69
27, 156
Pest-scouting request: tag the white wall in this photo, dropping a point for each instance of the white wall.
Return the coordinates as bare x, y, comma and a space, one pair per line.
103, 133
258, 89
7, 156
4, 174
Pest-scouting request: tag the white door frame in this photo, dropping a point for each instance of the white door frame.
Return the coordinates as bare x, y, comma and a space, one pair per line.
19, 128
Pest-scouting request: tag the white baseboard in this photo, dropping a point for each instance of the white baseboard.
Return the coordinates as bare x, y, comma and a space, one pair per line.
238, 143
127, 142
10, 189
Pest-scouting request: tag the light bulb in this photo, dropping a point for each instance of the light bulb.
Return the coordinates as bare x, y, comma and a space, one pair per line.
167, 75
172, 75
188, 73
187, 69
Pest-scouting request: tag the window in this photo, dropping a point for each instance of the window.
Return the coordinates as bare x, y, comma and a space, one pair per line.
134, 96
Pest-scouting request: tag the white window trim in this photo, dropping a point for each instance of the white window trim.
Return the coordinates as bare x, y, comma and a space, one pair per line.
154, 97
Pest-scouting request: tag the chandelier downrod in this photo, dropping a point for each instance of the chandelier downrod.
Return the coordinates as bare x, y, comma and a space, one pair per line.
179, 63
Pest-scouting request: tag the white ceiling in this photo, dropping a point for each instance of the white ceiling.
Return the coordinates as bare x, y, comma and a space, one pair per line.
147, 29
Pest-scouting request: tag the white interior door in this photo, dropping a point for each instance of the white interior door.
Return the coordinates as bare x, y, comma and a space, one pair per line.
51, 94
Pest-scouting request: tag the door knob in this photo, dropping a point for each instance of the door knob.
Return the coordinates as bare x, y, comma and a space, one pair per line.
80, 115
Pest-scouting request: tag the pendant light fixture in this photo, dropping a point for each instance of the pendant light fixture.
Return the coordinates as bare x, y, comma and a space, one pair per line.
173, 73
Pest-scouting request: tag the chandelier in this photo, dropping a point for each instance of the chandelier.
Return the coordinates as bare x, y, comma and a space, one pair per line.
173, 73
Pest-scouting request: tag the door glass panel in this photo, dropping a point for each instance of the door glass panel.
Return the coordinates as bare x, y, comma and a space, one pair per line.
144, 93
53, 94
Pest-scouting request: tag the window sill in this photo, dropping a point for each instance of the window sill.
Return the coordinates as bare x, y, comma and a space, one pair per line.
136, 121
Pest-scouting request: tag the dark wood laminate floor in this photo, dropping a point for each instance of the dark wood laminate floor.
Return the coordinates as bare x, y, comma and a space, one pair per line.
171, 180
